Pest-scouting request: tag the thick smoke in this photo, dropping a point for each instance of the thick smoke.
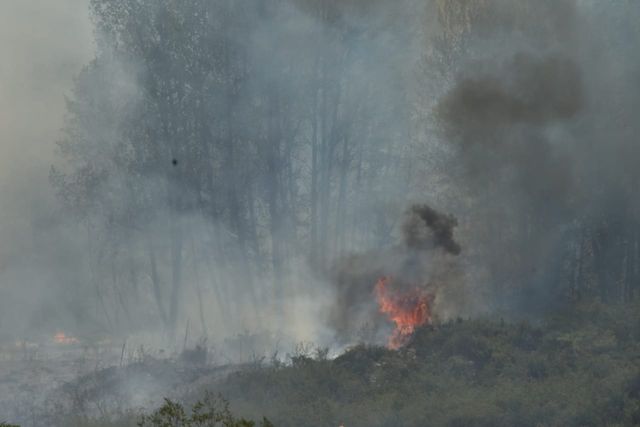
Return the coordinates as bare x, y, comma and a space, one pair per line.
527, 89
503, 118
301, 132
44, 45
279, 116
426, 227
426, 258
532, 119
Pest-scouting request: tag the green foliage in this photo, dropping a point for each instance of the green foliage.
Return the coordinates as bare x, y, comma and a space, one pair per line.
578, 368
208, 412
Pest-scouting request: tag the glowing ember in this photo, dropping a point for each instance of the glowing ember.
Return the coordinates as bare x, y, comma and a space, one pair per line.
61, 338
408, 310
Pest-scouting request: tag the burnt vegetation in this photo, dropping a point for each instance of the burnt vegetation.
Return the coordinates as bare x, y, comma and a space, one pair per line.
577, 367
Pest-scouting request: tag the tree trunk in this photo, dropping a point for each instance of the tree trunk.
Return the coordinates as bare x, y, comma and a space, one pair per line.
176, 273
155, 282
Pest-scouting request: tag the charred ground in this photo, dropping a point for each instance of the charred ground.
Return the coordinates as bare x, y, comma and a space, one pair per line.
577, 367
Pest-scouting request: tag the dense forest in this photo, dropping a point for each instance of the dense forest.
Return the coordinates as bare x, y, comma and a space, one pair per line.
214, 148
223, 159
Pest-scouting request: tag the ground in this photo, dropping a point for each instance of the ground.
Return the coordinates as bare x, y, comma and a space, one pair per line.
578, 367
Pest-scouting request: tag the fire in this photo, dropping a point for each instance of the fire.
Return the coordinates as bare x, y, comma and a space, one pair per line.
61, 338
407, 310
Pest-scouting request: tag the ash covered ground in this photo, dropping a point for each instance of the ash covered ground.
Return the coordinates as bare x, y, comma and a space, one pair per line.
51, 384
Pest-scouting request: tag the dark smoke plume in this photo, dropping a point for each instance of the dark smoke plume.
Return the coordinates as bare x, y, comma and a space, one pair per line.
499, 114
425, 227
511, 118
425, 257
528, 89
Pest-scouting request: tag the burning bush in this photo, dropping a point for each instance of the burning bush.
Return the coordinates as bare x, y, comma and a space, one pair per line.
408, 310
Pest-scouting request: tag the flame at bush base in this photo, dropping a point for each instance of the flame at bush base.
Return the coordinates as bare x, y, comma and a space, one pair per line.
408, 310
62, 338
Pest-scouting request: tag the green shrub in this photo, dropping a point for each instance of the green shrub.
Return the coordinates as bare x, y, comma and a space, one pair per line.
208, 412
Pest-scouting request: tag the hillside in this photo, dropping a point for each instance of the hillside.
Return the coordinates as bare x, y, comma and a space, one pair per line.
577, 368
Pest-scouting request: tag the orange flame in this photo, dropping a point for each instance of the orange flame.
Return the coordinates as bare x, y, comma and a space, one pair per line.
61, 338
408, 311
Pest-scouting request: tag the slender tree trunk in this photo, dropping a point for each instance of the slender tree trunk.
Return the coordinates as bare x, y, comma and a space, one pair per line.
273, 191
197, 284
176, 272
117, 288
155, 282
315, 165
95, 258
342, 196
133, 273
325, 174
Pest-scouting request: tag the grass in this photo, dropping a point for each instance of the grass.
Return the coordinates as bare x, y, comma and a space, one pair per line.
579, 367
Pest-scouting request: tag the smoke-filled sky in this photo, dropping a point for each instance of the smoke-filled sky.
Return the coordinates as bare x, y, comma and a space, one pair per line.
44, 44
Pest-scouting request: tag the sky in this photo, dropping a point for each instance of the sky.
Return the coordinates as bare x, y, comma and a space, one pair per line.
44, 44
